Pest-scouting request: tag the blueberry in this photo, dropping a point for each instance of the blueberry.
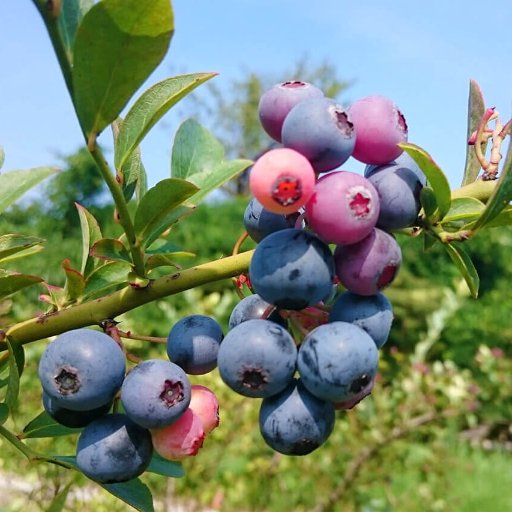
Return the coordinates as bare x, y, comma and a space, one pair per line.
370, 265
276, 102
72, 419
404, 161
399, 196
292, 269
82, 369
260, 222
113, 449
155, 393
373, 313
193, 343
294, 422
322, 131
257, 358
252, 307
337, 361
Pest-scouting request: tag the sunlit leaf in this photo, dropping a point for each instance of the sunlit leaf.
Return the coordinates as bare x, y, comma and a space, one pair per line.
149, 108
71, 12
4, 413
2, 156
463, 262
16, 367
134, 493
59, 500
476, 109
91, 233
13, 243
14, 184
105, 278
464, 208
197, 156
158, 209
43, 425
428, 203
11, 282
75, 282
435, 176
164, 467
110, 249
118, 44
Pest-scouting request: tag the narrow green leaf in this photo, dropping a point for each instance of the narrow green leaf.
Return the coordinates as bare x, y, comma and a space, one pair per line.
4, 413
158, 208
150, 108
428, 241
503, 219
464, 208
43, 425
162, 246
476, 109
23, 254
75, 282
59, 501
168, 221
164, 467
14, 184
429, 203
12, 243
72, 11
160, 260
91, 233
11, 282
16, 367
118, 44
463, 262
500, 198
2, 156
134, 493
105, 278
435, 176
110, 249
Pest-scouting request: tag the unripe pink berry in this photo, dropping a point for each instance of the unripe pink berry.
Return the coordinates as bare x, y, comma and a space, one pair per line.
204, 403
379, 127
343, 208
282, 180
180, 439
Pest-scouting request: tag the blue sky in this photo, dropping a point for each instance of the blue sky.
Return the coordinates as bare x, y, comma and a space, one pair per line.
420, 54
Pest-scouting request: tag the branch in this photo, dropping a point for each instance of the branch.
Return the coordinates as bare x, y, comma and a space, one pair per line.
122, 301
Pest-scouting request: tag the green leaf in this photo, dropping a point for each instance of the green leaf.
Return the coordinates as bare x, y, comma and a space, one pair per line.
134, 493
428, 241
70, 15
13, 243
43, 425
435, 176
2, 156
158, 208
110, 275
16, 367
149, 108
111, 249
500, 198
463, 262
23, 254
118, 44
59, 501
75, 282
4, 413
164, 467
197, 156
429, 203
476, 109
160, 260
11, 282
464, 208
91, 233
14, 184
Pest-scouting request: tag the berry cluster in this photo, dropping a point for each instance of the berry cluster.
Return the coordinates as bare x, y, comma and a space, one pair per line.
156, 408
318, 227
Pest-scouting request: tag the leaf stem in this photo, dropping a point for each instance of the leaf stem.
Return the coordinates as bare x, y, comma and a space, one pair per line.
124, 300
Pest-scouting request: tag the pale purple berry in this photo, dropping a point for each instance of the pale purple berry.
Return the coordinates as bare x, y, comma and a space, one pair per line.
380, 127
343, 208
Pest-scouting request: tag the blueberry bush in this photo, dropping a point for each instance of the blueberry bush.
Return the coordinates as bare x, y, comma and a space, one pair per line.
308, 336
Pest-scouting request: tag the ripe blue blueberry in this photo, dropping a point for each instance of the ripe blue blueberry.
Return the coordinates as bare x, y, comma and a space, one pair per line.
113, 449
257, 358
155, 393
253, 307
321, 130
193, 343
403, 161
294, 422
292, 269
72, 419
373, 313
337, 360
82, 369
260, 222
